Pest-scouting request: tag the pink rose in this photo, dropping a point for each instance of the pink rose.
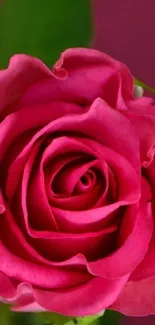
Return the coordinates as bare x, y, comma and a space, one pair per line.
76, 159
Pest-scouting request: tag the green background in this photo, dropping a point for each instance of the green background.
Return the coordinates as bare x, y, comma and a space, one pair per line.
43, 28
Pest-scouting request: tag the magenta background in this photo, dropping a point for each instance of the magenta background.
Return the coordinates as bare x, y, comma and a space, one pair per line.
150, 320
125, 29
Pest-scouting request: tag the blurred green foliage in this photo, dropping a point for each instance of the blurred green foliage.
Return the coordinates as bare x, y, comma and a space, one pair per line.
11, 318
43, 28
110, 318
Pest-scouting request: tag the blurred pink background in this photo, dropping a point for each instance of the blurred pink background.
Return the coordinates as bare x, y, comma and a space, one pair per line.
125, 29
150, 320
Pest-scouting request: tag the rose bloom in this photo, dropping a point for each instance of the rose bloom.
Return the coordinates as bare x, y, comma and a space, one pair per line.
77, 187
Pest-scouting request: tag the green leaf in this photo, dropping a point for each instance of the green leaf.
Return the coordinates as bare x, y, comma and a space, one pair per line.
8, 317
110, 318
4, 315
143, 85
56, 319
52, 318
87, 320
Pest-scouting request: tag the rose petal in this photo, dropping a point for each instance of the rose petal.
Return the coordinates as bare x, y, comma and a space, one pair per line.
106, 267
139, 304
22, 72
126, 195
16, 125
121, 168
144, 125
7, 288
39, 275
36, 188
85, 300
71, 174
61, 247
100, 116
51, 248
105, 77
147, 267
41, 202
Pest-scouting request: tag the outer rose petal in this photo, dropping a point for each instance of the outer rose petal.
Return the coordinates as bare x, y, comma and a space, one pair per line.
22, 72
144, 125
87, 299
147, 267
21, 297
7, 289
77, 58
23, 305
137, 298
104, 76
40, 275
